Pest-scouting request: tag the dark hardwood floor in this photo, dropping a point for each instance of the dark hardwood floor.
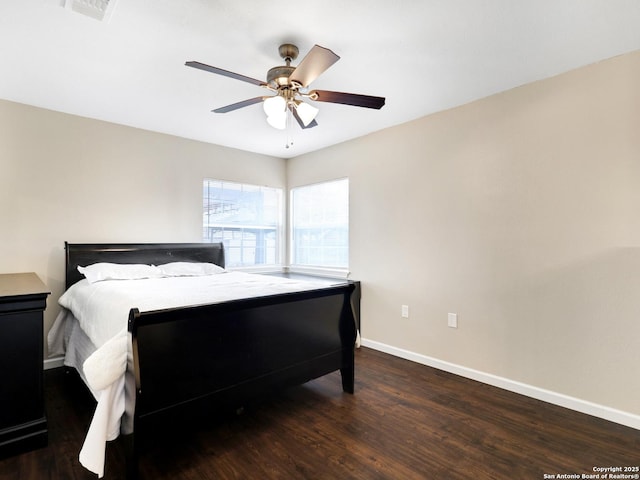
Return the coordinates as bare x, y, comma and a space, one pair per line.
405, 421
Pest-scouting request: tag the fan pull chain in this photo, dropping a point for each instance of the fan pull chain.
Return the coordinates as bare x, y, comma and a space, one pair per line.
289, 142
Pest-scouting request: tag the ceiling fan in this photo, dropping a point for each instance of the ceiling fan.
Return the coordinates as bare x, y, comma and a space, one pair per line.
290, 85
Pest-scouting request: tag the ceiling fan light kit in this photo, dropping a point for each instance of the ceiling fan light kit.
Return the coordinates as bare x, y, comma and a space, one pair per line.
290, 85
278, 121
276, 110
306, 112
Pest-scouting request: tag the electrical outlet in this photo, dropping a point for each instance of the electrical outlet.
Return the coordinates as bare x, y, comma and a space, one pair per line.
452, 320
405, 311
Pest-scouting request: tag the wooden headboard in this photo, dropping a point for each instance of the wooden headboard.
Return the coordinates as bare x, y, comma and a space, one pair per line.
84, 254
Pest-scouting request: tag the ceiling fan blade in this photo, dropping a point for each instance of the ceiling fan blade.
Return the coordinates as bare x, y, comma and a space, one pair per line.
313, 64
313, 123
226, 73
236, 106
354, 99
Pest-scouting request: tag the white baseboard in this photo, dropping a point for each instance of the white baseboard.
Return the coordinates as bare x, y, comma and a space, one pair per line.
582, 406
53, 363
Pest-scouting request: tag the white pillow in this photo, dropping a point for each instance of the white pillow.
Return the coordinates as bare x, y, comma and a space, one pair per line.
189, 269
98, 272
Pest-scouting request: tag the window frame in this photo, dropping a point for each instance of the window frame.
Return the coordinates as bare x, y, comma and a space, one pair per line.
280, 240
322, 270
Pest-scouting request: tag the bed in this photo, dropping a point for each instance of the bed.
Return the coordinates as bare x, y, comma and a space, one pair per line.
193, 352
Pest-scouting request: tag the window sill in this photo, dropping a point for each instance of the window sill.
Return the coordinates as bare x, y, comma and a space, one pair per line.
259, 269
341, 273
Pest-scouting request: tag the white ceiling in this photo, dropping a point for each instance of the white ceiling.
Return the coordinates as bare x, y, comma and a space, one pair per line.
422, 55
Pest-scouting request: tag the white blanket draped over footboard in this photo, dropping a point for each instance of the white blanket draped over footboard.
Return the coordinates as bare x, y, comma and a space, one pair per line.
102, 312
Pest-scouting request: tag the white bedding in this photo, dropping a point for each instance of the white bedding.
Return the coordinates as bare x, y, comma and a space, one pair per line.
101, 310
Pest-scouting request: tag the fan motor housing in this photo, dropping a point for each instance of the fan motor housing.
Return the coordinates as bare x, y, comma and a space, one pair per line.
279, 76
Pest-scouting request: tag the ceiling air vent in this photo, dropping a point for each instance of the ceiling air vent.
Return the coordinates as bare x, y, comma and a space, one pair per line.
98, 9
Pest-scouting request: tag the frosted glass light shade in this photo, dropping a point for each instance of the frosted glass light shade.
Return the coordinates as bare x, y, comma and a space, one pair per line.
278, 120
306, 112
274, 105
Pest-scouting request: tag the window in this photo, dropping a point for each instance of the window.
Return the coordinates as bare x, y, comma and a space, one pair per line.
320, 224
246, 218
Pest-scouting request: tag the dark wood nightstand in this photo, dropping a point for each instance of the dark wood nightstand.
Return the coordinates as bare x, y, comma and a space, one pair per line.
23, 423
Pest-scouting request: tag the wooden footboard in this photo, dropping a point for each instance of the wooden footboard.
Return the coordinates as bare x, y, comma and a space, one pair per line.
226, 349
228, 353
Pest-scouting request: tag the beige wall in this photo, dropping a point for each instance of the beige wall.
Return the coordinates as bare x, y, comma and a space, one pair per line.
520, 213
66, 178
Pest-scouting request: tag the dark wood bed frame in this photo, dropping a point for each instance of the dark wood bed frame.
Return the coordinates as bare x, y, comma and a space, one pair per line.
226, 353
